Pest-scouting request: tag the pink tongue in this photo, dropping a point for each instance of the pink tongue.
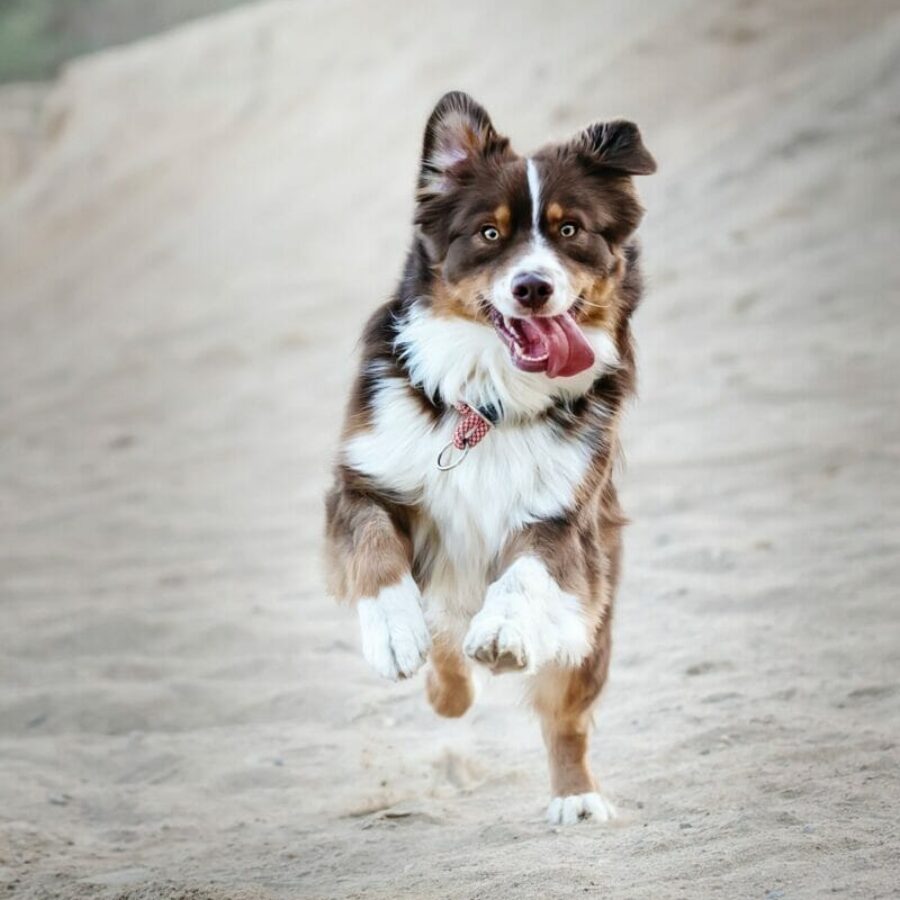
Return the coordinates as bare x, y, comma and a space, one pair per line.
567, 349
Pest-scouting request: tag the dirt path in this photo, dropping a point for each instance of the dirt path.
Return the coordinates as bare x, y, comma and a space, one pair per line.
182, 709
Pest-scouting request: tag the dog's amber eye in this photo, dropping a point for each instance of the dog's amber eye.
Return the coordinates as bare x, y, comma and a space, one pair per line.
490, 233
568, 229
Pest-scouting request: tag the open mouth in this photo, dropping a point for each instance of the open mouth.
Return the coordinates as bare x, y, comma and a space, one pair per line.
551, 344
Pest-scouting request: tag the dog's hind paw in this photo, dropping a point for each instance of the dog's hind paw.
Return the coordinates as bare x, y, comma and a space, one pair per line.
578, 808
395, 639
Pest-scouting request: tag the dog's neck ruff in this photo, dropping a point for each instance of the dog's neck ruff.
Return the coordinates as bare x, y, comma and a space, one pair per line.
458, 360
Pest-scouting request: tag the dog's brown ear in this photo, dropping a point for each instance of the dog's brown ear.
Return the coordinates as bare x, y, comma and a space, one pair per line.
617, 145
458, 132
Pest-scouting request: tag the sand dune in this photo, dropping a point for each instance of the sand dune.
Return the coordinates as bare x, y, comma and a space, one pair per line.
183, 273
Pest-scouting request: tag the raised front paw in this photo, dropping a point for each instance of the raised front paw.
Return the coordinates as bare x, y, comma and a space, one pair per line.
527, 621
498, 643
578, 808
395, 639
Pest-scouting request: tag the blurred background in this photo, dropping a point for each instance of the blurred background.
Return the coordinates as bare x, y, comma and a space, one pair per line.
39, 36
200, 204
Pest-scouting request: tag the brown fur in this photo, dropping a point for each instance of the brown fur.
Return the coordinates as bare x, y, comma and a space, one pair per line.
460, 299
449, 683
367, 540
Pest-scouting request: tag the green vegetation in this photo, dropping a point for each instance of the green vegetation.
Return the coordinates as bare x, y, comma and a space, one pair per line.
38, 36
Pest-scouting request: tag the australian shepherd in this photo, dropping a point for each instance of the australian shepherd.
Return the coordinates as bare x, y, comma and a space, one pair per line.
473, 517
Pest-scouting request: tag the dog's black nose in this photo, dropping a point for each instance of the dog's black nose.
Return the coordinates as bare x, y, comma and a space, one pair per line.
531, 290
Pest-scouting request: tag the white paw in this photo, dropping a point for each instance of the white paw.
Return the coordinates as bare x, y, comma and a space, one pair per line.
395, 639
527, 620
499, 643
578, 807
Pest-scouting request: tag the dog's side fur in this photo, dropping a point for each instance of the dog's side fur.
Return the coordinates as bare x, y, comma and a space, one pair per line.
511, 559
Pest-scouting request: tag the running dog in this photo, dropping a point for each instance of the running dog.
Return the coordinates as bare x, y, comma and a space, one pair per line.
473, 516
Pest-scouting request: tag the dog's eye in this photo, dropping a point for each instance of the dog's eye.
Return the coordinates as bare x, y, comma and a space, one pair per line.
490, 233
569, 229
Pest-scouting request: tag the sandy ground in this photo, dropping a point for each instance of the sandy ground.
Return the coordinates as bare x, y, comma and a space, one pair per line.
184, 270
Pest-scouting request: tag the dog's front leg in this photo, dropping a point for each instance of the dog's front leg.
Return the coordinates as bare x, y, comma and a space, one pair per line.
527, 621
369, 564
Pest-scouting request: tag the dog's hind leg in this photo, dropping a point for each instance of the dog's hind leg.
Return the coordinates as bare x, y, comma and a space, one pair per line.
564, 697
449, 686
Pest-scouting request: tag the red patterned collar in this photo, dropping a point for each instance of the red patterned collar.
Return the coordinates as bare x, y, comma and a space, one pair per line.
470, 430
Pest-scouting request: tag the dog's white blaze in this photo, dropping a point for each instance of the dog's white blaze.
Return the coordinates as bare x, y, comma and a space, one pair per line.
457, 359
527, 614
538, 257
519, 473
534, 188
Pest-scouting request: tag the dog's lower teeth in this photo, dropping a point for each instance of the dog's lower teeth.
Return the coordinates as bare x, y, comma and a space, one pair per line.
519, 353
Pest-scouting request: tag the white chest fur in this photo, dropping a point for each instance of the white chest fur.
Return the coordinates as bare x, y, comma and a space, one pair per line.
518, 474
521, 472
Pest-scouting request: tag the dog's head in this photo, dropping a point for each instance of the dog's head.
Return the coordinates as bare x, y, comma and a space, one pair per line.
534, 247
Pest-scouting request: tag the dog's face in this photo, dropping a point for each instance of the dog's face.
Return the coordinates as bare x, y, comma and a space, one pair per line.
531, 246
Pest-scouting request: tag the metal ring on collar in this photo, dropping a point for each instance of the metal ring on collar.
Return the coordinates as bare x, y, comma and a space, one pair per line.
446, 466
